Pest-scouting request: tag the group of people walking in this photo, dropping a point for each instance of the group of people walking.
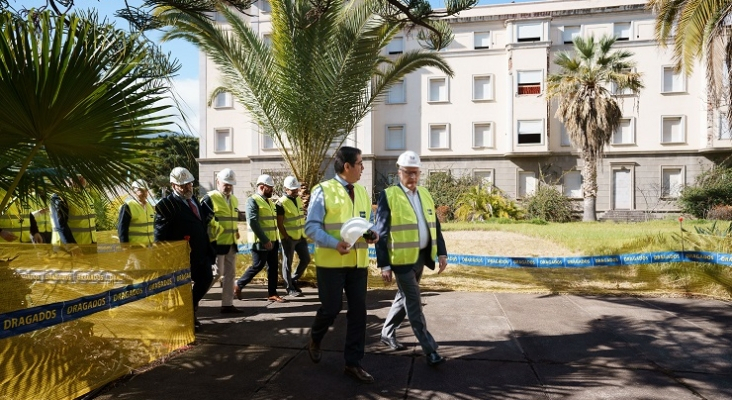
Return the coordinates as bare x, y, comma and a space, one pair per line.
406, 234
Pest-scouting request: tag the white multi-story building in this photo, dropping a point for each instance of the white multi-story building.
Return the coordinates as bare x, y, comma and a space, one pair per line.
492, 120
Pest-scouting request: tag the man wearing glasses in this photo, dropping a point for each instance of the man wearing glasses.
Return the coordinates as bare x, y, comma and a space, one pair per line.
179, 216
410, 238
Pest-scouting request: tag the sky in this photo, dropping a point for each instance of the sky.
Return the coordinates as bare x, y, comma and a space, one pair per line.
186, 82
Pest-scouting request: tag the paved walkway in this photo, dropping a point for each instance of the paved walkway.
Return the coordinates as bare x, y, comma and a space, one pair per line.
500, 346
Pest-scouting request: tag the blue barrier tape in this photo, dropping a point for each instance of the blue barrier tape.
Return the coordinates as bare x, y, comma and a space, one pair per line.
31, 319
572, 262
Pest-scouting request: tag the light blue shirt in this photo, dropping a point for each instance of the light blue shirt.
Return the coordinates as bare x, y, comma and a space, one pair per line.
314, 228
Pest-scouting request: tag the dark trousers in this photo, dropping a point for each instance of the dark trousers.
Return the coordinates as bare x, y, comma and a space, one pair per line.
332, 282
202, 276
289, 247
260, 259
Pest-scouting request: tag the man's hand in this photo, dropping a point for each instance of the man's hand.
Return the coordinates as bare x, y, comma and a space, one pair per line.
37, 238
386, 275
7, 235
237, 235
268, 245
376, 238
343, 247
442, 260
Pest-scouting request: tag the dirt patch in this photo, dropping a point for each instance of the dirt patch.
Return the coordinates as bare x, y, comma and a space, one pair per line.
508, 244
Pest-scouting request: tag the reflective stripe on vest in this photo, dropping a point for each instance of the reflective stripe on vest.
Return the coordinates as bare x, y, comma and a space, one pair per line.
403, 242
294, 216
81, 221
227, 213
267, 220
338, 209
43, 220
141, 230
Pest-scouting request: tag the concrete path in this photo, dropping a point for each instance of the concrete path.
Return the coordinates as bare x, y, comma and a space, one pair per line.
500, 346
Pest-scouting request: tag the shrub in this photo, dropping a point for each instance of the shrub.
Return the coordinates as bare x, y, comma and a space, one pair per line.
478, 204
443, 213
548, 204
446, 189
720, 212
712, 188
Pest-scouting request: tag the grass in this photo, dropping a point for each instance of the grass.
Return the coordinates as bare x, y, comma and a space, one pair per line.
671, 279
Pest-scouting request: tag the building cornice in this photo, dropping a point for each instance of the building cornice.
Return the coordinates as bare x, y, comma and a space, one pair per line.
543, 15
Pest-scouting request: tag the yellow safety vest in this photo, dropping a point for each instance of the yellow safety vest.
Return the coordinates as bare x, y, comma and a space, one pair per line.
267, 220
228, 216
338, 209
12, 221
43, 220
403, 241
294, 216
142, 224
82, 222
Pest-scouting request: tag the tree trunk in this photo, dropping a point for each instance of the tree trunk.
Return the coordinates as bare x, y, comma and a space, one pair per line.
589, 188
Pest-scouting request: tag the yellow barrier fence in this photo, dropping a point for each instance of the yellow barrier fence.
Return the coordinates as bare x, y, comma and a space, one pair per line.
72, 323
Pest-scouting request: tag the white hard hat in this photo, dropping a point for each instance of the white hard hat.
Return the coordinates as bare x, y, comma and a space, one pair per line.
265, 179
409, 159
226, 176
140, 184
354, 228
291, 183
181, 176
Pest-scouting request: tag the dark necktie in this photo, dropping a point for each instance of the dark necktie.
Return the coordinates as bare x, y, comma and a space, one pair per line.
349, 187
193, 208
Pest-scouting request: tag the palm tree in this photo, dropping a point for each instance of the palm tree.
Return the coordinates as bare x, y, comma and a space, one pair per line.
588, 110
315, 81
700, 31
77, 98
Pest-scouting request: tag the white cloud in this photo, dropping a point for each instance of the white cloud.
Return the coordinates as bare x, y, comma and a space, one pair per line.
186, 92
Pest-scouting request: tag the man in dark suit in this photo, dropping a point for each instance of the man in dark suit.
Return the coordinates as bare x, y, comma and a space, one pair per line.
409, 238
179, 216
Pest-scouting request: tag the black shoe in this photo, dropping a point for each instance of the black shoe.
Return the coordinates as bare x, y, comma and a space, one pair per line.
435, 359
392, 343
237, 292
358, 374
314, 351
230, 310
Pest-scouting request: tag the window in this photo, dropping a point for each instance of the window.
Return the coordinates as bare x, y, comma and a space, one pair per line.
267, 142
625, 133
439, 136
483, 87
481, 40
397, 93
396, 46
438, 89
223, 100
622, 31
482, 135
530, 132
724, 132
527, 183
395, 137
673, 130
564, 140
529, 82
222, 136
485, 176
569, 33
673, 181
573, 184
673, 81
265, 7
529, 32
267, 40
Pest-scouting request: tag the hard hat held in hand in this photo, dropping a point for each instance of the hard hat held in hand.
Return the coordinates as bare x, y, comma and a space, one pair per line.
266, 180
354, 228
409, 159
226, 176
291, 183
181, 176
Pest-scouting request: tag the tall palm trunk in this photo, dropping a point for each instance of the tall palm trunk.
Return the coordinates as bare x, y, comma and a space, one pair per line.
589, 187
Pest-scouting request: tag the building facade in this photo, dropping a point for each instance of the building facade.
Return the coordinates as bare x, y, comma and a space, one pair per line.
492, 121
